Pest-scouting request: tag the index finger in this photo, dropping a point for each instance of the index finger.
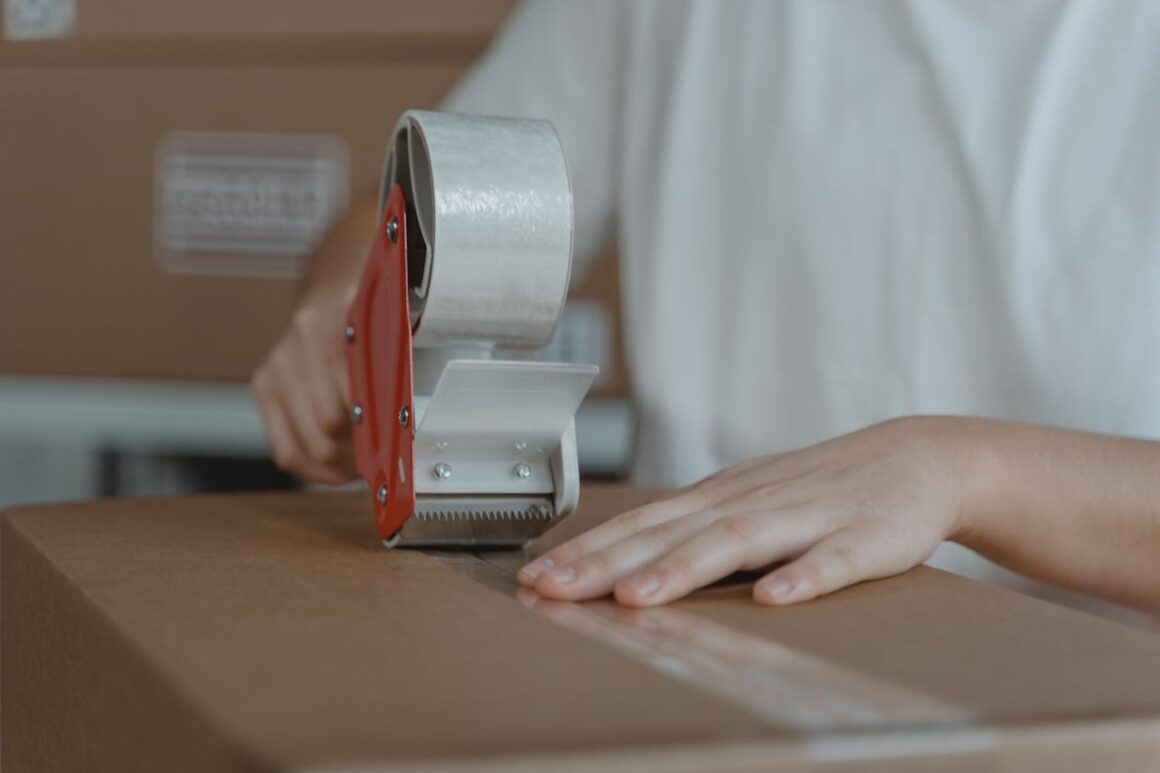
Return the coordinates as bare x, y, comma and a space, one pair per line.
611, 531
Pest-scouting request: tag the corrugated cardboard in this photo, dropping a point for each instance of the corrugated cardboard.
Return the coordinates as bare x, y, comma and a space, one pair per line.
79, 277
91, 108
123, 20
274, 633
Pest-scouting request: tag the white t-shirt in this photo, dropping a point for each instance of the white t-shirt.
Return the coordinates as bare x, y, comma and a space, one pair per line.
829, 214
833, 213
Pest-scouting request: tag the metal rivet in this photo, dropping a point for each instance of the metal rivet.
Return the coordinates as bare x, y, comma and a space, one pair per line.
355, 413
348, 333
381, 495
522, 470
441, 470
404, 415
393, 229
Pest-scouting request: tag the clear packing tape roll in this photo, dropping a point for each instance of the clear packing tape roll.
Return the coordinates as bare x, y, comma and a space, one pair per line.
489, 227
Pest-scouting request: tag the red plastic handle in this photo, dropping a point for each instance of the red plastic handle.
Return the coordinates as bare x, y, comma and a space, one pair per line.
378, 360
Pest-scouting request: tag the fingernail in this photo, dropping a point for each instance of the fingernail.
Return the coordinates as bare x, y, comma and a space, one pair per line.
535, 568
563, 575
780, 589
644, 584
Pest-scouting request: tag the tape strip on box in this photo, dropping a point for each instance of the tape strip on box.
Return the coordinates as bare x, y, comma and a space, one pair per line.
778, 684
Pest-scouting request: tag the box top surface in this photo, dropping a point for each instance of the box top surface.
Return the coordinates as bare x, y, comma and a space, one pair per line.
282, 620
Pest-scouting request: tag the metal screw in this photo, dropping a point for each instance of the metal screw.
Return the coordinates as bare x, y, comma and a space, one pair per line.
381, 495
393, 229
523, 470
355, 413
441, 470
348, 333
404, 415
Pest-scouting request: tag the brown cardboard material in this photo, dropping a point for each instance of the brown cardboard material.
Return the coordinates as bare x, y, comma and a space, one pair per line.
126, 20
272, 632
78, 199
88, 113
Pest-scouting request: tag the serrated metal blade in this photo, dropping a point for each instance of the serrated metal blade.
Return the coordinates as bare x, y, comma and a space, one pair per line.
479, 521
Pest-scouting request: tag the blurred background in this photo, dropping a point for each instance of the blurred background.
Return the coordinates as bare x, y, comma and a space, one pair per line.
166, 167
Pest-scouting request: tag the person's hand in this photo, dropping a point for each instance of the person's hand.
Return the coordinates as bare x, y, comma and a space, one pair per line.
302, 393
301, 387
866, 505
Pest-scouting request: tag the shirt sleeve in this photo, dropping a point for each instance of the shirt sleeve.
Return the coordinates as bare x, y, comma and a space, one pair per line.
562, 60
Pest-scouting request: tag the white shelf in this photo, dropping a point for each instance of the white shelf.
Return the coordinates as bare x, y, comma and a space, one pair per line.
69, 422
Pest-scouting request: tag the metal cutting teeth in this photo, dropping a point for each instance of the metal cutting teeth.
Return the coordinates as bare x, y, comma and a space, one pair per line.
478, 521
533, 513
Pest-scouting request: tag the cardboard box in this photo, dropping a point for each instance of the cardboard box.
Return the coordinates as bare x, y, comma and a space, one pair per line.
83, 270
273, 632
98, 21
168, 165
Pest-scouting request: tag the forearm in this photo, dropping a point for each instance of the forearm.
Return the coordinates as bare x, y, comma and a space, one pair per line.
1071, 508
300, 388
338, 259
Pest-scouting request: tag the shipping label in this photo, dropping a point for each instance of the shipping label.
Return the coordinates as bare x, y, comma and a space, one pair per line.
38, 19
246, 204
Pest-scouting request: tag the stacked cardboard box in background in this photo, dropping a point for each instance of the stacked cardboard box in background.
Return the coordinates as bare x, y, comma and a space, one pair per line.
167, 166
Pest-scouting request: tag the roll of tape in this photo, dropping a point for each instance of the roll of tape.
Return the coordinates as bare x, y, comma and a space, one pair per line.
489, 227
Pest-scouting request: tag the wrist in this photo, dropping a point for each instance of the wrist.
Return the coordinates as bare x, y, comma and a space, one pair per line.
983, 469
329, 298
